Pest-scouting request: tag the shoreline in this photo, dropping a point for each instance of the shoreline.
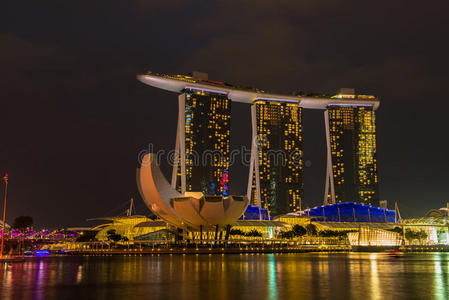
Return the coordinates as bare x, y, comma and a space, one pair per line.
253, 250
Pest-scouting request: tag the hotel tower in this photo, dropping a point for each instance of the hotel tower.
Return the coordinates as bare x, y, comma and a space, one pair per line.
276, 171
351, 174
202, 144
276, 167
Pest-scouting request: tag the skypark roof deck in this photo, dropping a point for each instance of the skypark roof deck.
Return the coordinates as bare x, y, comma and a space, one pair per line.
179, 83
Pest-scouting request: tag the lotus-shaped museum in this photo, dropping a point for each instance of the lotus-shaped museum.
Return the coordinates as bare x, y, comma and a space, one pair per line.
191, 210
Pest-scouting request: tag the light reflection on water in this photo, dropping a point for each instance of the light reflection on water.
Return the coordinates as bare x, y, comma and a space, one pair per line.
258, 276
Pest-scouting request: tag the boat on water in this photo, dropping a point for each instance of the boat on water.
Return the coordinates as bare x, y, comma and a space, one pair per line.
394, 253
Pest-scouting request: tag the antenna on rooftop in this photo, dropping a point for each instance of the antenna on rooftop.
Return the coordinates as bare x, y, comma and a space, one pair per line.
396, 211
129, 211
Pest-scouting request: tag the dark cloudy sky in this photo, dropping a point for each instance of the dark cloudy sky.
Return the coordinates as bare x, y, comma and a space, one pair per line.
73, 117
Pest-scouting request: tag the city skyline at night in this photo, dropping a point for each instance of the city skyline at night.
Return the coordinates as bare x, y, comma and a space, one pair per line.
74, 116
224, 150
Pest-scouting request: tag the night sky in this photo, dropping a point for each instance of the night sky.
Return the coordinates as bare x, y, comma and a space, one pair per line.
74, 118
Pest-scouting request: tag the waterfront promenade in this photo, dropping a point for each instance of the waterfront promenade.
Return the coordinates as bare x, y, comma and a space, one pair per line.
246, 248
210, 250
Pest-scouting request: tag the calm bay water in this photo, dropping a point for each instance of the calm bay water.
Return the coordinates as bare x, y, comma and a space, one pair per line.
265, 276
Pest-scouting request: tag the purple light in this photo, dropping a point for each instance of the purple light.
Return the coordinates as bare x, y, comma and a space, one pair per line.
207, 90
277, 99
350, 104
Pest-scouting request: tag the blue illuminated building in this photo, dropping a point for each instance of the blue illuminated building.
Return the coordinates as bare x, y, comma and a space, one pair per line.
351, 212
255, 213
42, 253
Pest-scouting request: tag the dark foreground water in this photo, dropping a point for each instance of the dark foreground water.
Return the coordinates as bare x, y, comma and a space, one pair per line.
266, 276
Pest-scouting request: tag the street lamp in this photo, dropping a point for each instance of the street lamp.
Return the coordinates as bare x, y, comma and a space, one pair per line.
5, 181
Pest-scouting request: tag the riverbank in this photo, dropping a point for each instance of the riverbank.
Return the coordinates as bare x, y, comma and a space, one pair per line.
210, 250
251, 250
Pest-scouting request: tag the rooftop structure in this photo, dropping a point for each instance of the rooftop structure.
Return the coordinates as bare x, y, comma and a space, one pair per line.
255, 213
351, 212
179, 83
442, 212
129, 226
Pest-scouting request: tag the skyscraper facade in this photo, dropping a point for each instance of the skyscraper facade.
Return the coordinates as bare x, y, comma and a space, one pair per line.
352, 154
279, 156
204, 133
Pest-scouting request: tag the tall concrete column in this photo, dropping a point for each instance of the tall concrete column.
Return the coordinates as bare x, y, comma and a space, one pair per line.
329, 172
254, 162
180, 146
